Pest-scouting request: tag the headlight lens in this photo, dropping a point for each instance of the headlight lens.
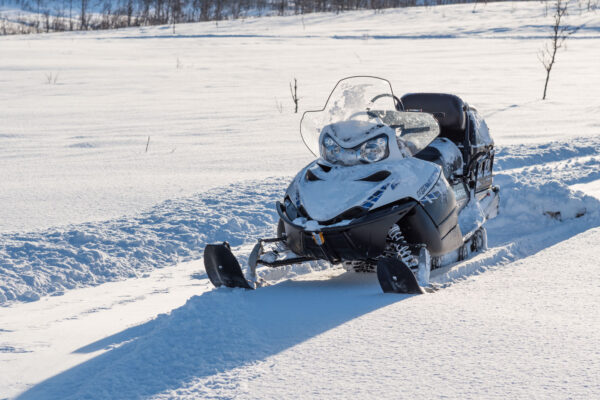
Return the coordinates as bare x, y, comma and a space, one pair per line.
371, 151
330, 149
374, 150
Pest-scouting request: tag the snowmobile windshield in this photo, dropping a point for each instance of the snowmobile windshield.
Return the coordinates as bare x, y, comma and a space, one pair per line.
351, 99
415, 130
358, 104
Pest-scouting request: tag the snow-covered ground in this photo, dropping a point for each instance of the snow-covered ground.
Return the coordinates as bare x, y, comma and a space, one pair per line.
74, 151
84, 203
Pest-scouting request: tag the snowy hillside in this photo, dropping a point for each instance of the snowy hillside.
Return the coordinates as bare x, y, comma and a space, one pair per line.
124, 152
38, 16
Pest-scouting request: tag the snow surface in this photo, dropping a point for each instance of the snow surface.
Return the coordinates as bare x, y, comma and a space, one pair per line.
83, 204
74, 151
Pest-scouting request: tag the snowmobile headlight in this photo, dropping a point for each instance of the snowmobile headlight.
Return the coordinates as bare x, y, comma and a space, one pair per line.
330, 150
372, 150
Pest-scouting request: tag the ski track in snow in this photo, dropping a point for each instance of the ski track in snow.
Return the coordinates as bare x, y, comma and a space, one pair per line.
224, 343
533, 179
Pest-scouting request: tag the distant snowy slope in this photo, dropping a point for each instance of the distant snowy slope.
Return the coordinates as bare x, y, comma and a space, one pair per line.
503, 19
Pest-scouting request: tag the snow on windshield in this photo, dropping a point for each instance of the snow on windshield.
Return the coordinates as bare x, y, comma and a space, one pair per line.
346, 131
350, 99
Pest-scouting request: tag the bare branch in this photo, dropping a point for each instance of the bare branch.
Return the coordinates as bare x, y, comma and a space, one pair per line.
560, 33
294, 92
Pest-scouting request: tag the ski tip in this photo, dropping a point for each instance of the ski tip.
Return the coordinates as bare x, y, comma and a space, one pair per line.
395, 277
222, 267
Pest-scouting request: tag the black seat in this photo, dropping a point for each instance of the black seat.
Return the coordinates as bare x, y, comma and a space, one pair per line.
448, 109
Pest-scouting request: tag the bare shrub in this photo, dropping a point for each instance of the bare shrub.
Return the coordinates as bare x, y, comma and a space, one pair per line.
560, 33
294, 92
51, 78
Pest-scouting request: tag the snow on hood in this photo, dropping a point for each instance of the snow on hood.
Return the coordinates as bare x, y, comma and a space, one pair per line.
325, 200
342, 188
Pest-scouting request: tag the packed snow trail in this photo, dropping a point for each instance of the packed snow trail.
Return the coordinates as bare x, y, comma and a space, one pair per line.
38, 339
527, 330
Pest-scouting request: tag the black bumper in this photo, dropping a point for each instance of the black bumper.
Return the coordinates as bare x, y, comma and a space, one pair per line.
362, 239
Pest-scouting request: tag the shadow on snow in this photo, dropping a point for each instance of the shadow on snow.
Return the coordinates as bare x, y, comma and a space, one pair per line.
215, 332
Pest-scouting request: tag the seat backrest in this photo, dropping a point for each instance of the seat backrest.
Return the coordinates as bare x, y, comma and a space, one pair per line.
448, 109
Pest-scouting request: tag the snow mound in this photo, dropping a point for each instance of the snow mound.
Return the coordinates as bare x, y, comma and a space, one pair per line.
51, 261
533, 216
525, 202
524, 155
538, 208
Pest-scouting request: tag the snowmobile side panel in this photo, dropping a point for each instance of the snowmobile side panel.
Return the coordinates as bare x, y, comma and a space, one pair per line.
434, 221
395, 277
418, 227
222, 268
450, 223
461, 194
440, 204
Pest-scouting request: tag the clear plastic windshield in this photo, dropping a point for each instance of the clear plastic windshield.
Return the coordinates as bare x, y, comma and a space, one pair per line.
365, 100
350, 99
414, 130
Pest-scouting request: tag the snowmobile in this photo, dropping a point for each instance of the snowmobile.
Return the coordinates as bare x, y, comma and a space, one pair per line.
401, 187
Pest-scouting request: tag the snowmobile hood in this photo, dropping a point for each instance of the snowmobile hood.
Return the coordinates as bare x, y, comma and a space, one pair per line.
325, 191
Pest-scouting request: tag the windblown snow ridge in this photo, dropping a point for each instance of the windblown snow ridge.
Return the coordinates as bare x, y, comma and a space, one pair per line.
518, 156
51, 261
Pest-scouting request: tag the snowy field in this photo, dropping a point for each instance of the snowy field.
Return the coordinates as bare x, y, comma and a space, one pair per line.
102, 230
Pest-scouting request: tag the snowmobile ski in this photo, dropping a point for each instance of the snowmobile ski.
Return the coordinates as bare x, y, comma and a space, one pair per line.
395, 277
222, 268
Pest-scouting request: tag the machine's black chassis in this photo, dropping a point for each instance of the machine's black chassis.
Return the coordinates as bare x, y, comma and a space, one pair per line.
433, 225
362, 239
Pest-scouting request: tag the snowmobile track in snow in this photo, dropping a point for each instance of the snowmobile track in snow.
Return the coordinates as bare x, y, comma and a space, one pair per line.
533, 179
